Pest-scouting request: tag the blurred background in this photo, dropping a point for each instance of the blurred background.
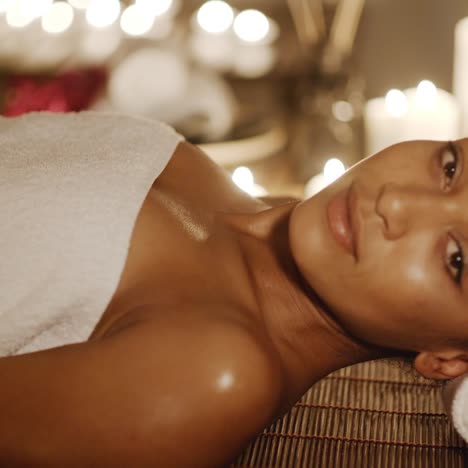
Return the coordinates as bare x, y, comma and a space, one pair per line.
285, 94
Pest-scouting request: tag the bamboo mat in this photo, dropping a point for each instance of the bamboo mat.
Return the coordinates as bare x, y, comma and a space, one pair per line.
368, 415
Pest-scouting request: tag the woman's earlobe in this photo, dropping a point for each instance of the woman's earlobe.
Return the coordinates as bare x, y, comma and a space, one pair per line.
441, 365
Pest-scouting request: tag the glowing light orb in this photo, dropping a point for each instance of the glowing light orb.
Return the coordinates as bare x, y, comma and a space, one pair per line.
5, 5
135, 21
244, 179
102, 13
17, 17
251, 25
333, 169
426, 94
396, 103
343, 111
215, 16
34, 8
58, 18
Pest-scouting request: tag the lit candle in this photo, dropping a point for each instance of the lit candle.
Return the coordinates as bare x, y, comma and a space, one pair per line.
433, 114
333, 169
384, 120
58, 18
255, 33
251, 26
244, 179
212, 40
153, 19
102, 13
460, 71
424, 112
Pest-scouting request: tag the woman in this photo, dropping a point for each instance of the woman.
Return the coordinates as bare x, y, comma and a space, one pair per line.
227, 308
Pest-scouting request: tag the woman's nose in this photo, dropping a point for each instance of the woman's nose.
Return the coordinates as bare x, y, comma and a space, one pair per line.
400, 207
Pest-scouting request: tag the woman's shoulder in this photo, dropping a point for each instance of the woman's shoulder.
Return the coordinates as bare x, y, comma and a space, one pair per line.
219, 373
218, 341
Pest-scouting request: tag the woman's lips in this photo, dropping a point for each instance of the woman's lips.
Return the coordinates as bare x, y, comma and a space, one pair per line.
340, 221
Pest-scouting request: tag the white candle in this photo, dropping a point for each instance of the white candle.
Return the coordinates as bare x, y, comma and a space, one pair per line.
460, 71
433, 113
244, 179
212, 40
333, 169
384, 120
254, 56
424, 113
252, 26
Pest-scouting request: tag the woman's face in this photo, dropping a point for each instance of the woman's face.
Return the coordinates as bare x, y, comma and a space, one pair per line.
399, 280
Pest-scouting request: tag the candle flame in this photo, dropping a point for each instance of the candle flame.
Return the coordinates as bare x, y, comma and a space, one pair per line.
333, 169
426, 94
396, 103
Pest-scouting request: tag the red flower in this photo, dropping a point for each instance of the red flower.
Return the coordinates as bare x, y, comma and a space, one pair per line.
70, 91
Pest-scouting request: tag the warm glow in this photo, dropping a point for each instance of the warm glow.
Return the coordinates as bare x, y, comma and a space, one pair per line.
102, 13
58, 18
244, 179
17, 17
343, 111
396, 103
225, 381
314, 185
79, 4
34, 8
333, 169
154, 7
215, 16
6, 5
251, 26
135, 21
426, 94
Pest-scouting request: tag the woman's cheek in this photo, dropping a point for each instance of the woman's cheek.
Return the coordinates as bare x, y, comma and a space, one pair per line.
416, 275
395, 280
414, 287
418, 265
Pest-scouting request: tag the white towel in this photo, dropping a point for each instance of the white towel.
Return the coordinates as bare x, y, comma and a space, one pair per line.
71, 187
455, 397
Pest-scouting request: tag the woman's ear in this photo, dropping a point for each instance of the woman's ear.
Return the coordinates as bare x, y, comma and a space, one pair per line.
441, 365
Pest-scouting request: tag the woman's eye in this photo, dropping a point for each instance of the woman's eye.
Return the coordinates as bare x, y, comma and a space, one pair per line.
455, 260
449, 163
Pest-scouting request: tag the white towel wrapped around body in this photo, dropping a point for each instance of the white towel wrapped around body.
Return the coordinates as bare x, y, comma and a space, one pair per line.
455, 397
71, 187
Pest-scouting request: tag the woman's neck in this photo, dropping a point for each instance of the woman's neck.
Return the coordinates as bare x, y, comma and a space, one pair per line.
307, 337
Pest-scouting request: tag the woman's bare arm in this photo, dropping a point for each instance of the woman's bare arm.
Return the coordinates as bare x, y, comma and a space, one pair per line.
157, 393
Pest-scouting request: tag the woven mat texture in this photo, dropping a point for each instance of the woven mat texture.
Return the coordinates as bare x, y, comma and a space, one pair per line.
369, 415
